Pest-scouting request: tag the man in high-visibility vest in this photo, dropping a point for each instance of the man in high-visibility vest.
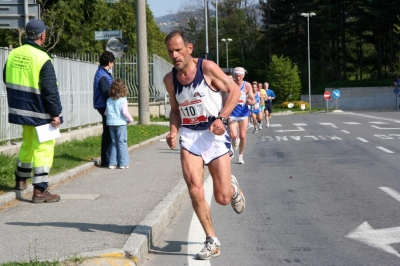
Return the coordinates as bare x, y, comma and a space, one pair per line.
33, 100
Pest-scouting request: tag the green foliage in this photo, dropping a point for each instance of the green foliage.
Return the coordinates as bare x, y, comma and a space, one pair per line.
7, 167
283, 78
72, 24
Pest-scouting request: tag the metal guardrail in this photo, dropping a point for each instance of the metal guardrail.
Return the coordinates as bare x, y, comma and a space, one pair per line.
75, 74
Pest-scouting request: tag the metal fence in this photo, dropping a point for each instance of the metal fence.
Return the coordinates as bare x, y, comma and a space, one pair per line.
126, 68
75, 74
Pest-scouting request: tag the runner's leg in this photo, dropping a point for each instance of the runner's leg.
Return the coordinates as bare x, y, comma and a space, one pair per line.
193, 170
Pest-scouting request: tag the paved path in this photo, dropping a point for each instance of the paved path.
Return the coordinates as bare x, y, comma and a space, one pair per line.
102, 212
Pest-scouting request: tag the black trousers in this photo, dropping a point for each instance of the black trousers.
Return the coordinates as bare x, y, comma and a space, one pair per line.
105, 139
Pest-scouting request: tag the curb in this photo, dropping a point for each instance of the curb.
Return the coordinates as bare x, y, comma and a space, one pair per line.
138, 244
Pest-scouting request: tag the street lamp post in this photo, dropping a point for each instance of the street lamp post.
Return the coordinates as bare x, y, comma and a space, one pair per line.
216, 30
226, 41
308, 15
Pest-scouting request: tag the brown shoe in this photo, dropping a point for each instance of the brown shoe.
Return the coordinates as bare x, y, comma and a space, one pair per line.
45, 196
20, 185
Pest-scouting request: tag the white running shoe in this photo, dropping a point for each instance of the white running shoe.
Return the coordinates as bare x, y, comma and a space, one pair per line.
268, 124
212, 248
238, 203
260, 126
240, 159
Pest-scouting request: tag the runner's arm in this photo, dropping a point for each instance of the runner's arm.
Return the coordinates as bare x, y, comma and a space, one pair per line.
250, 96
174, 116
272, 97
219, 80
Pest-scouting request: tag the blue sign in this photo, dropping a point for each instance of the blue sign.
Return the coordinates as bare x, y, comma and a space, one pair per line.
396, 90
397, 83
336, 94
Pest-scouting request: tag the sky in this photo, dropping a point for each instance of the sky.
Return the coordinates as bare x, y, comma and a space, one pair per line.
163, 7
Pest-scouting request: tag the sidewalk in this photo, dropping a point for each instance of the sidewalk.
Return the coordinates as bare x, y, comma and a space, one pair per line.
102, 213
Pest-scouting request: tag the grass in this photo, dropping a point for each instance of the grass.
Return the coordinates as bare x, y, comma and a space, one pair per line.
70, 154
73, 261
33, 263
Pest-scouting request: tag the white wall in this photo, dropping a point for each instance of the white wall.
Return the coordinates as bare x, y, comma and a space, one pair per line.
358, 98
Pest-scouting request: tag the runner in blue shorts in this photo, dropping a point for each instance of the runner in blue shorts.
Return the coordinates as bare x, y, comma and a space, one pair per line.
256, 112
240, 115
268, 102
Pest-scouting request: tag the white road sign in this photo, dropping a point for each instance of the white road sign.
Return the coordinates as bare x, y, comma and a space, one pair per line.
107, 34
12, 15
12, 2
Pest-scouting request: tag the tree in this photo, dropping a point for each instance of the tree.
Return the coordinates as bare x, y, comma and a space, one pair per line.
72, 24
283, 77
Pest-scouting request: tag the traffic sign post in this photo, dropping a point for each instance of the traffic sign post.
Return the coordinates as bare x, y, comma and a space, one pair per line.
396, 91
327, 96
12, 13
107, 34
16, 2
336, 95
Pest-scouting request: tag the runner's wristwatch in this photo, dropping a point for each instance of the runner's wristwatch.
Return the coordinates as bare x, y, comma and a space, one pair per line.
223, 120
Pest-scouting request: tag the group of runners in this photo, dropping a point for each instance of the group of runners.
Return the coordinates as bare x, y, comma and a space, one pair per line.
255, 100
263, 107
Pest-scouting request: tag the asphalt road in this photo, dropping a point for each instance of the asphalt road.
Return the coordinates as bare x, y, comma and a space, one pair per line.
321, 189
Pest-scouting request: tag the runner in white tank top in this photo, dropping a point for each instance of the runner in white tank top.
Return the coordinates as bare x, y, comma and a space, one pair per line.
240, 118
194, 88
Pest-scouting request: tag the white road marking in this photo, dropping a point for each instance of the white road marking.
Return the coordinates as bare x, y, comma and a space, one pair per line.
372, 117
391, 192
275, 125
388, 136
379, 123
196, 232
299, 124
329, 124
363, 140
384, 149
162, 140
385, 127
298, 138
79, 196
291, 130
351, 123
377, 238
345, 131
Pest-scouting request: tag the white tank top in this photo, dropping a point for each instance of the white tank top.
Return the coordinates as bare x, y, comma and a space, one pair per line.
199, 105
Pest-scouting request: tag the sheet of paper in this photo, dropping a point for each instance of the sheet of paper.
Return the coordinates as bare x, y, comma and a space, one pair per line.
47, 132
